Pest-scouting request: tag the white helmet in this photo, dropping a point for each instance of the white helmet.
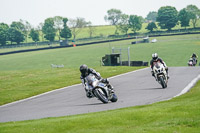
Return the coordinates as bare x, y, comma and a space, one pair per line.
155, 56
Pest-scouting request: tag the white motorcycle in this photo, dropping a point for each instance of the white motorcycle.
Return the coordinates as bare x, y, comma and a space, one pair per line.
160, 74
192, 62
99, 90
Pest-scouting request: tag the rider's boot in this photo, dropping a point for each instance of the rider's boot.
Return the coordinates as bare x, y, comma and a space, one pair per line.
88, 94
152, 73
167, 74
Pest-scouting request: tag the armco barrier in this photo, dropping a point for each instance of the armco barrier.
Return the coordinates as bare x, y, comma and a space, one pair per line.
37, 49
135, 63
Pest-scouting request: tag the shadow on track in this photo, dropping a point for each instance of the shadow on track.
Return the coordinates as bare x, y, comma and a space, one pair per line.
159, 88
89, 104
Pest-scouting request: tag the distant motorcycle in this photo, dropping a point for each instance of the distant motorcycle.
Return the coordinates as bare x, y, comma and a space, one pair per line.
192, 62
160, 74
99, 90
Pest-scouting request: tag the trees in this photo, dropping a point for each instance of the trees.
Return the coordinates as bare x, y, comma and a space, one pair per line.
39, 28
91, 29
113, 16
58, 24
194, 13
18, 25
49, 30
151, 26
27, 28
77, 25
65, 32
167, 17
3, 33
184, 17
152, 16
123, 24
23, 26
34, 34
15, 35
135, 23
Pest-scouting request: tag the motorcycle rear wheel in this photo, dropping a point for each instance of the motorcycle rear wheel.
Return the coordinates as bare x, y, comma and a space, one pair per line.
114, 98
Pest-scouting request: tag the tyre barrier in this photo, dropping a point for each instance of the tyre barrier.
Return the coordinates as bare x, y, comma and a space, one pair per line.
135, 63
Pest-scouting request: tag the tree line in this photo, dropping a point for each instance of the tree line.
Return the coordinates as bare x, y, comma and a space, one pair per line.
57, 26
166, 17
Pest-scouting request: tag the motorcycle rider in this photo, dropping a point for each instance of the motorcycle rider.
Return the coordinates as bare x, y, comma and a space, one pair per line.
85, 71
155, 58
194, 57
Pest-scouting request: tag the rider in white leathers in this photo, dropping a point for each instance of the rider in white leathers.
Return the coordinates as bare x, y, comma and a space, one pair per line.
155, 58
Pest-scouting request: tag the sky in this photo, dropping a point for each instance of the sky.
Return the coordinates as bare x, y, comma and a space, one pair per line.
36, 11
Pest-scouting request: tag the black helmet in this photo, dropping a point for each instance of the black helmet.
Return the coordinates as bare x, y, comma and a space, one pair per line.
155, 56
83, 69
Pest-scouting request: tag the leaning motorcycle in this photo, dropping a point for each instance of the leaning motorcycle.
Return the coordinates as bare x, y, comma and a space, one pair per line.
192, 62
99, 90
160, 74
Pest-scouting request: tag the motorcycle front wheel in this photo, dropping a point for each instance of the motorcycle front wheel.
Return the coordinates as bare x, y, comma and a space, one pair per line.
163, 83
101, 95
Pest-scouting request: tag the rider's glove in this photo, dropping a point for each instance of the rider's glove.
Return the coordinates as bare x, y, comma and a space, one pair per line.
104, 81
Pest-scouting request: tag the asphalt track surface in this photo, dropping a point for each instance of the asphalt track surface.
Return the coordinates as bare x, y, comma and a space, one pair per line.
132, 89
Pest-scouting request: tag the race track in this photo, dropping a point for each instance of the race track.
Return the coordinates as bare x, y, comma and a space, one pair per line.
133, 88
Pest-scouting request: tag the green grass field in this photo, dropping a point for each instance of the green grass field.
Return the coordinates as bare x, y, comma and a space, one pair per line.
27, 74
178, 48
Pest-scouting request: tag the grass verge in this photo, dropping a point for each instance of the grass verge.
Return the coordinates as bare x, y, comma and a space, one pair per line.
179, 115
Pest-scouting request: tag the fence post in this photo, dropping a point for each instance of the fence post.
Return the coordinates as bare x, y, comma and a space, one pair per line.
129, 64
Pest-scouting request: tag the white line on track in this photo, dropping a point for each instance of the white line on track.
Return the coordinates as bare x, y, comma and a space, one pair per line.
189, 86
185, 90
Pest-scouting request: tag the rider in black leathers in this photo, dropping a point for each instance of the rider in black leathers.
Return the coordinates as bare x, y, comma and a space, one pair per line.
85, 71
155, 58
194, 57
